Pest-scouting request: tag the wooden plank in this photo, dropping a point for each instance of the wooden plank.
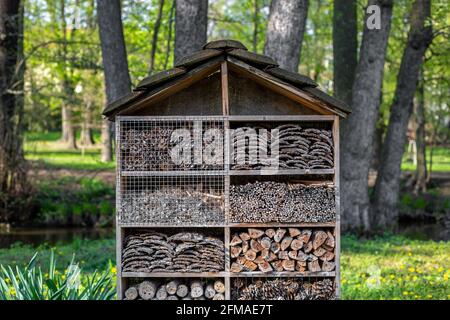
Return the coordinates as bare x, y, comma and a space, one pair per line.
283, 225
281, 172
336, 141
292, 77
165, 226
251, 57
224, 85
197, 57
299, 118
289, 274
283, 88
174, 274
224, 44
158, 78
171, 173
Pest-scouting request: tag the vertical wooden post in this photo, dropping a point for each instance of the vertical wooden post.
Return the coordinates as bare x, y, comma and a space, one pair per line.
337, 199
224, 79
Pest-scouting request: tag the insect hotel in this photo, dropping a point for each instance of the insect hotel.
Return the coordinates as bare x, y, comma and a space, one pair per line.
227, 182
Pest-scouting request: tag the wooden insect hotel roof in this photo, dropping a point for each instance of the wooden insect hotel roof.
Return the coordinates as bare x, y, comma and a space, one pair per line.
199, 65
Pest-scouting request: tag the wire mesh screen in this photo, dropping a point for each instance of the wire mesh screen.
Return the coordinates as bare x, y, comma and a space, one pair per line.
172, 200
171, 145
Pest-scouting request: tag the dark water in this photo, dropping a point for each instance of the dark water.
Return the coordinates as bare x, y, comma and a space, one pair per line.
35, 236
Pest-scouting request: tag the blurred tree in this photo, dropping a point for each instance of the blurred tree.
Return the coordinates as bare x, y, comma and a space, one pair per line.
421, 171
285, 30
12, 163
117, 78
359, 130
387, 188
191, 24
155, 36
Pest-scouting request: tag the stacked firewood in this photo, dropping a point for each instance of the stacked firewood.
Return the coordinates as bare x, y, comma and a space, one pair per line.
282, 249
283, 289
270, 201
150, 149
178, 289
298, 148
173, 206
181, 252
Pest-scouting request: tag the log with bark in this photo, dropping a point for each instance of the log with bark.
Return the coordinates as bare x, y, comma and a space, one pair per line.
181, 252
283, 289
313, 249
270, 201
185, 289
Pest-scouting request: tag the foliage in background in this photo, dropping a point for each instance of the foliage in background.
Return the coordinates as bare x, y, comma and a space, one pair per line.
31, 283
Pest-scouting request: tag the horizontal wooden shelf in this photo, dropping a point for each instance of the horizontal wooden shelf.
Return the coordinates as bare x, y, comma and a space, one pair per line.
283, 224
141, 225
291, 274
281, 172
283, 118
172, 173
174, 274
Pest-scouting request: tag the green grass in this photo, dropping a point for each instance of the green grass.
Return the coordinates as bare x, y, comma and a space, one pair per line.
391, 267
395, 267
46, 149
441, 160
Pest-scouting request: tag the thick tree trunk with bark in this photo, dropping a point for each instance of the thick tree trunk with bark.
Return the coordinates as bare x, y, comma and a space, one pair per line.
360, 127
12, 163
191, 22
86, 136
285, 30
115, 64
421, 171
387, 188
345, 47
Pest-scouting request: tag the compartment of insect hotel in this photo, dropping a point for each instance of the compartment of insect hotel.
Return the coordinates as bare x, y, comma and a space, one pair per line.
172, 250
282, 289
227, 181
175, 289
283, 250
172, 200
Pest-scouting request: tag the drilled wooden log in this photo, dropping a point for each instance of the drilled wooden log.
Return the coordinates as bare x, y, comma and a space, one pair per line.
293, 232
314, 266
219, 296
131, 293
209, 291
286, 242
219, 286
172, 286
161, 294
319, 238
255, 245
328, 266
296, 244
182, 290
147, 290
196, 289
255, 233
279, 234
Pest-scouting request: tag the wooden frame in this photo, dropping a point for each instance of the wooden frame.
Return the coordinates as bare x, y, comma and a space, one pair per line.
322, 175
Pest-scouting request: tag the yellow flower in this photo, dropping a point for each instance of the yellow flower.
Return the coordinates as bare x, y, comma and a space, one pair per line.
410, 253
405, 293
344, 281
417, 297
411, 269
440, 269
415, 278
399, 279
445, 277
113, 270
407, 278
429, 296
392, 276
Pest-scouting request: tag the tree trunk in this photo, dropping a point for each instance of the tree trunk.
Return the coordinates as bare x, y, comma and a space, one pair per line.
387, 188
255, 25
12, 163
68, 129
345, 49
421, 170
377, 144
191, 22
360, 127
115, 64
86, 137
155, 36
287, 21
169, 35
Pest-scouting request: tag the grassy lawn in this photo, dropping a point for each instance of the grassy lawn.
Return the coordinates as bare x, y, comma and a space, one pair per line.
441, 160
391, 267
49, 151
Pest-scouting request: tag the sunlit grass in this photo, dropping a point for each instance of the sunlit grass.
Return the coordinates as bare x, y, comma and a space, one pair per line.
395, 268
49, 151
441, 160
